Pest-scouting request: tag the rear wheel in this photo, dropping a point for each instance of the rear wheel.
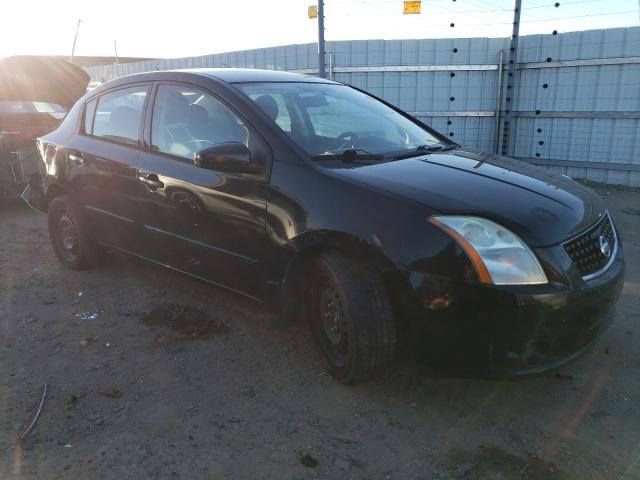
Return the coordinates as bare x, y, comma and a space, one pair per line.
351, 318
71, 244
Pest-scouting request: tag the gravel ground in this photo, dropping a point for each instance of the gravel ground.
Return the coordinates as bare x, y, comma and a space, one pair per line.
153, 375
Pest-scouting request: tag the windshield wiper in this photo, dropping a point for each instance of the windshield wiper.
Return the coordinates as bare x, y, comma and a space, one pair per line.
423, 149
436, 147
349, 155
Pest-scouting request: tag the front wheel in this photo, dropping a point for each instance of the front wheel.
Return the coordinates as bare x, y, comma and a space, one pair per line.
351, 317
71, 244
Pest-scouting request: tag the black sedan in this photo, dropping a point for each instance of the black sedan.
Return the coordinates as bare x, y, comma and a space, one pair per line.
332, 205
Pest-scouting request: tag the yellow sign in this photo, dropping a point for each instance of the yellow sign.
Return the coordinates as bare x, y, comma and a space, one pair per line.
313, 11
411, 7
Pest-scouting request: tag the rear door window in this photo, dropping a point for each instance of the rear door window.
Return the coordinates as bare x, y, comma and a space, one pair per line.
118, 114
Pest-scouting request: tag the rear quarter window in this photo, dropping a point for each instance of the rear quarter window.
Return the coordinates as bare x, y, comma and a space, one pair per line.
89, 113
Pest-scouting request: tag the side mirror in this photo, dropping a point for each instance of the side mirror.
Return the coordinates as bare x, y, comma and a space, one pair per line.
226, 157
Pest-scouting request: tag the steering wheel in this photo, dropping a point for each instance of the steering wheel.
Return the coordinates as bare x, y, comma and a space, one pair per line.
344, 137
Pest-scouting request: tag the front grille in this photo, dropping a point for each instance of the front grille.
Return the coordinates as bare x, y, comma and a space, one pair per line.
589, 251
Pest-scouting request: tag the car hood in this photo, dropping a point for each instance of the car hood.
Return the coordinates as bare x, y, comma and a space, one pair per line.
541, 207
41, 79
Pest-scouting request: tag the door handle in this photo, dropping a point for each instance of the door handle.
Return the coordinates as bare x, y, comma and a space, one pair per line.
75, 157
150, 180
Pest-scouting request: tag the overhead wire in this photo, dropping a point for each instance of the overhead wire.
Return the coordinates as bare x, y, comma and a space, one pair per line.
379, 5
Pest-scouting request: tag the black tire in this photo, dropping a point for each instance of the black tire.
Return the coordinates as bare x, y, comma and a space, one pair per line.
71, 244
351, 318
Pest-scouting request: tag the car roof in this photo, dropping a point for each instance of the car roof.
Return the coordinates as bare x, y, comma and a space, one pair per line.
241, 75
226, 75
236, 75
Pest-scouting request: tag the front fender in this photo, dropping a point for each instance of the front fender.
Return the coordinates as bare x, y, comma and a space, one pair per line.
320, 208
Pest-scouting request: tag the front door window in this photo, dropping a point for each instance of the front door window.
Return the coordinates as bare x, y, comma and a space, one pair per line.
186, 120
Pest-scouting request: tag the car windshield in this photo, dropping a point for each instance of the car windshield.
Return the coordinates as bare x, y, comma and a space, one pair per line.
329, 119
15, 106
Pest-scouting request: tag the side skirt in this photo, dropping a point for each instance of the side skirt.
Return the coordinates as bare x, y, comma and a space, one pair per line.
147, 259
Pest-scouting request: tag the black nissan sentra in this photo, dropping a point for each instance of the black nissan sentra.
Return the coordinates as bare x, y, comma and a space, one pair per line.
334, 206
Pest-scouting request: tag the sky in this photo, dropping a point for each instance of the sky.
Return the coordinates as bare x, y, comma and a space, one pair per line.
177, 28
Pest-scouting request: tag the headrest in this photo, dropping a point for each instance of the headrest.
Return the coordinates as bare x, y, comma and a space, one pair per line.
269, 105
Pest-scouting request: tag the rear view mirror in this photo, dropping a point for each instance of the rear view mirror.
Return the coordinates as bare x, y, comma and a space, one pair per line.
226, 157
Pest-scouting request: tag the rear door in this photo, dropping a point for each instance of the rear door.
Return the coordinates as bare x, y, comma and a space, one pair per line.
103, 165
208, 223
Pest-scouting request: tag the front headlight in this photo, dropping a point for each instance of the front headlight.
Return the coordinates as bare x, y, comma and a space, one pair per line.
497, 254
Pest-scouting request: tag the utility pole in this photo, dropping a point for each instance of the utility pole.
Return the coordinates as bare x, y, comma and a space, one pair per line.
511, 79
321, 53
115, 49
75, 39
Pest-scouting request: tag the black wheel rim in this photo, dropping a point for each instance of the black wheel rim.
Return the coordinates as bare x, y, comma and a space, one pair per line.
67, 236
333, 323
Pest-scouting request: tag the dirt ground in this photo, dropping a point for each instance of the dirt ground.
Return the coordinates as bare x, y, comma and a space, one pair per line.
153, 375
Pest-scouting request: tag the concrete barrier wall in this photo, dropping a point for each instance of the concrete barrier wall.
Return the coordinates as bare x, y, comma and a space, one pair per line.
575, 102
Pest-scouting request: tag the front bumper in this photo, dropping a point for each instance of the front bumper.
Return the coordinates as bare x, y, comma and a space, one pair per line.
514, 330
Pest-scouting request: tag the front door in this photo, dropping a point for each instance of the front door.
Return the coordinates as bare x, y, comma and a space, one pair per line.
102, 164
208, 223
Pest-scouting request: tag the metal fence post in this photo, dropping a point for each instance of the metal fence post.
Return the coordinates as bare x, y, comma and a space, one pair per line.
322, 73
511, 79
499, 73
